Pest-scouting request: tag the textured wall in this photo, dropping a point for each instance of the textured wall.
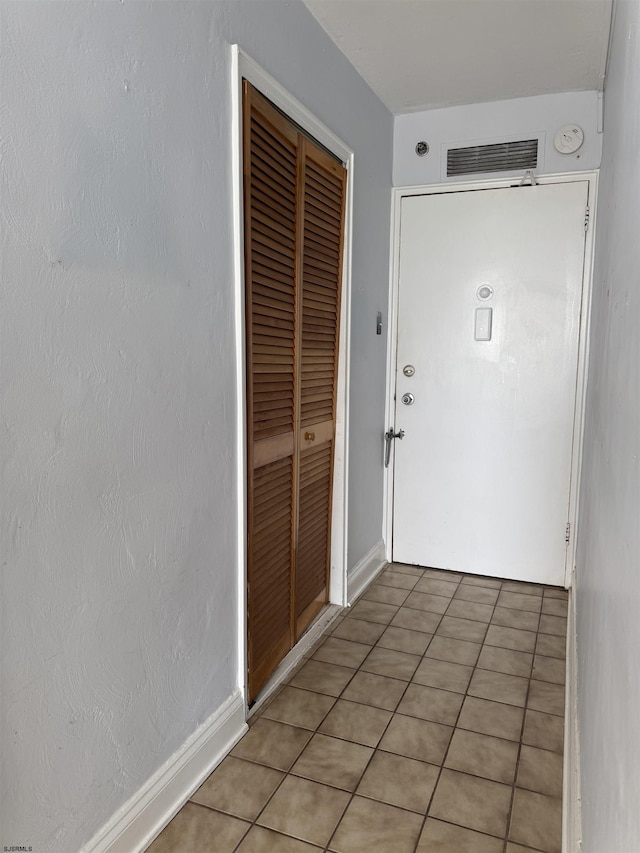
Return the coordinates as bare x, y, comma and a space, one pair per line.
119, 538
608, 568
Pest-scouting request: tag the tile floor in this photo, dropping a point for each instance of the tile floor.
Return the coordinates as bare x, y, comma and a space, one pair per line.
429, 719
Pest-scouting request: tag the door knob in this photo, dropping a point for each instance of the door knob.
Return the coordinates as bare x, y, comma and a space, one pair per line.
408, 399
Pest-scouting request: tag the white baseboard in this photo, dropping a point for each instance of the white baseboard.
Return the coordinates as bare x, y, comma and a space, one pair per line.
365, 571
149, 810
571, 800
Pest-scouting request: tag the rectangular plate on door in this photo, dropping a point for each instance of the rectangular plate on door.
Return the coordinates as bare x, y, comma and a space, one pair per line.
483, 324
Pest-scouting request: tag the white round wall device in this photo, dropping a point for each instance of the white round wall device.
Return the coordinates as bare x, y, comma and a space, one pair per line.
568, 139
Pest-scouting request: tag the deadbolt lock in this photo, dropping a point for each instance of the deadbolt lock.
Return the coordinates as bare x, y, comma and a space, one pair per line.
408, 399
408, 370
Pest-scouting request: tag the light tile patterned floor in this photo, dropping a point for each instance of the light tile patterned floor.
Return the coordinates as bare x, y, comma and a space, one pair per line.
429, 720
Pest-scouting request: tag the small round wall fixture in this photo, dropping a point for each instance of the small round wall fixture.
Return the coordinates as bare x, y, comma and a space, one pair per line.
568, 139
484, 292
422, 148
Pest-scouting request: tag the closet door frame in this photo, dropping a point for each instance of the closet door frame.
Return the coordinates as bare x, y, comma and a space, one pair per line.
245, 68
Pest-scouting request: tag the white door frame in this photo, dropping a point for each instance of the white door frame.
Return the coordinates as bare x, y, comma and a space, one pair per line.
583, 346
243, 67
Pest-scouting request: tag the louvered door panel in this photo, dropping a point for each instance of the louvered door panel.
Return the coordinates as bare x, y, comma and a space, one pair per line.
271, 259
312, 557
323, 215
270, 577
294, 202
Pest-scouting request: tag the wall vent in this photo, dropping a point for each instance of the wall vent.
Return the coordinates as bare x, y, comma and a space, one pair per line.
499, 157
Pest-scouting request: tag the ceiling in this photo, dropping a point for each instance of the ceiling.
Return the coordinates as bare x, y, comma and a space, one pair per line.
423, 54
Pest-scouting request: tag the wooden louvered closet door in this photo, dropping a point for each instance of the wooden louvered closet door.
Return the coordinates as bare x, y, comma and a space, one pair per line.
294, 222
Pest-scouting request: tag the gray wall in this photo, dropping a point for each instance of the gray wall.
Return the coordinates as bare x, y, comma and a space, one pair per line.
608, 568
119, 522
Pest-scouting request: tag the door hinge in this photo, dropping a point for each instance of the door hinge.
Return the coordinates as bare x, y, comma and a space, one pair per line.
587, 215
567, 534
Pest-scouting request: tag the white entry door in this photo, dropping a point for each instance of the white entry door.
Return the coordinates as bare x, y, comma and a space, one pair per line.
489, 310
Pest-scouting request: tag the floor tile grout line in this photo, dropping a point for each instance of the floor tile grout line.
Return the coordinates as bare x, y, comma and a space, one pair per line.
488, 624
454, 728
357, 785
255, 820
375, 748
424, 655
394, 712
287, 773
316, 731
517, 769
